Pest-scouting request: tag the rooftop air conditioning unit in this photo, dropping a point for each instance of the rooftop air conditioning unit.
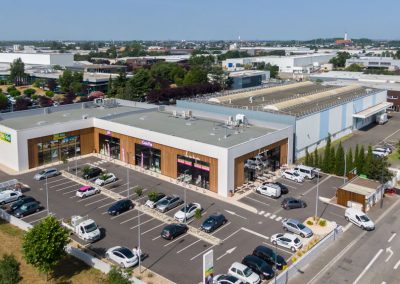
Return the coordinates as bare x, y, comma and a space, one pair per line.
175, 113
85, 116
190, 113
183, 114
46, 110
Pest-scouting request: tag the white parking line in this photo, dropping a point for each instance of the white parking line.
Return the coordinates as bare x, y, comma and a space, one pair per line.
133, 218
289, 186
178, 238
279, 248
68, 192
142, 223
156, 238
145, 232
263, 203
207, 249
272, 216
107, 204
234, 233
261, 212
57, 180
123, 214
278, 219
223, 226
179, 251
60, 189
37, 220
36, 213
59, 184
90, 196
368, 266
96, 201
255, 233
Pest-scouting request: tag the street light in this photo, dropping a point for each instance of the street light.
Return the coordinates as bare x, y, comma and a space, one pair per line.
127, 172
47, 198
76, 161
316, 196
184, 181
139, 249
276, 264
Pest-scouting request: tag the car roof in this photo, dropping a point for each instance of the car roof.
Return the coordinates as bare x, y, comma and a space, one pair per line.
85, 187
239, 265
290, 236
294, 221
263, 248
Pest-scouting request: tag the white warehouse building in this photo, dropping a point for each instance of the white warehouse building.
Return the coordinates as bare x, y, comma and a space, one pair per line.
298, 64
62, 59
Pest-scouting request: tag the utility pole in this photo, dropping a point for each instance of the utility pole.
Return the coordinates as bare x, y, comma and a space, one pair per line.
345, 172
47, 198
76, 161
140, 262
316, 197
127, 172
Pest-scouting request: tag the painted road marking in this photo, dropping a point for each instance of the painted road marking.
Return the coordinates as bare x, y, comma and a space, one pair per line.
272, 216
96, 201
234, 233
389, 250
36, 213
55, 185
223, 226
392, 237
68, 192
145, 232
279, 248
235, 214
156, 238
278, 219
107, 204
397, 265
255, 233
53, 181
201, 253
37, 220
123, 214
142, 223
87, 197
229, 251
261, 212
60, 189
179, 251
255, 200
173, 241
133, 218
368, 266
266, 215
290, 186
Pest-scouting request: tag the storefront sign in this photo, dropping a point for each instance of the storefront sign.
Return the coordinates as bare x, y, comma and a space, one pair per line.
182, 161
59, 136
208, 267
5, 137
147, 143
202, 167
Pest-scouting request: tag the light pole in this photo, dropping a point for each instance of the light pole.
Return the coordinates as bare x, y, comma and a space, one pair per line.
76, 161
139, 249
127, 172
316, 196
276, 264
345, 170
184, 193
47, 198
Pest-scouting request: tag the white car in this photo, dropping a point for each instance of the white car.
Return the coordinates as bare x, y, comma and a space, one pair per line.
244, 273
287, 240
292, 175
105, 179
226, 279
189, 209
270, 190
123, 256
9, 195
86, 191
383, 149
380, 152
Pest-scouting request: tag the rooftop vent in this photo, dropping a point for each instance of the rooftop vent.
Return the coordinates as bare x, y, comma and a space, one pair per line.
85, 116
41, 122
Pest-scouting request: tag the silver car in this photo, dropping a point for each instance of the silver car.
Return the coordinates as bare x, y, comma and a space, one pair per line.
168, 202
297, 227
47, 173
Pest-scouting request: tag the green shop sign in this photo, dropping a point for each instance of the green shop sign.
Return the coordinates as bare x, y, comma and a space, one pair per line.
5, 137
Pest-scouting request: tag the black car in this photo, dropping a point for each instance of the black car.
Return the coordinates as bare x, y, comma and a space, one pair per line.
120, 207
268, 255
172, 231
22, 201
259, 266
213, 222
291, 203
284, 188
92, 173
27, 209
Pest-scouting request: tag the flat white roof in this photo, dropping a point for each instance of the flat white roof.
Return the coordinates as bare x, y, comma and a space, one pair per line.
372, 110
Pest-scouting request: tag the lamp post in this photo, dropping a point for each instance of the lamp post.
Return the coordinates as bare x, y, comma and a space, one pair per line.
140, 264
316, 196
127, 173
76, 161
276, 264
47, 198
184, 180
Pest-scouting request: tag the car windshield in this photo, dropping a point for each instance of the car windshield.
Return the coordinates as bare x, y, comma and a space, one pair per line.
24, 207
127, 252
186, 208
164, 202
301, 226
247, 272
90, 228
296, 174
364, 218
42, 172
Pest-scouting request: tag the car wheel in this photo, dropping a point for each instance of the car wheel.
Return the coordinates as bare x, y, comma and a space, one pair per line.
2, 203
19, 197
117, 213
304, 205
37, 209
302, 235
362, 227
122, 265
172, 237
224, 222
274, 243
285, 229
130, 207
293, 249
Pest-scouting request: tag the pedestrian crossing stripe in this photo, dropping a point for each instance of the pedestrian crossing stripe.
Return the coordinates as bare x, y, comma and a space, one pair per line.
278, 219
261, 212
266, 215
272, 216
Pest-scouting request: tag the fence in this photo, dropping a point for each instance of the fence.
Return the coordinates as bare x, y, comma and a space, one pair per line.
308, 257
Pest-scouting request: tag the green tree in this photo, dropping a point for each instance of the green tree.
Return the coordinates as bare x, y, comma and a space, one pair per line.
379, 170
3, 101
398, 149
354, 68
326, 164
397, 54
115, 276
137, 86
356, 162
71, 82
43, 245
368, 159
195, 76
17, 72
340, 160
340, 59
332, 163
361, 160
273, 70
316, 159
29, 92
307, 158
349, 161
9, 270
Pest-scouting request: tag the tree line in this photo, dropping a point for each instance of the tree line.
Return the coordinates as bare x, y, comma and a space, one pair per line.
339, 162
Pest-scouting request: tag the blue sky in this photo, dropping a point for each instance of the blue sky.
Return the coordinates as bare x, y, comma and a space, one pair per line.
201, 19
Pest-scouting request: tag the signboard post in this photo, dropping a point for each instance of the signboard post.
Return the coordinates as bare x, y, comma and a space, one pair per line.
208, 267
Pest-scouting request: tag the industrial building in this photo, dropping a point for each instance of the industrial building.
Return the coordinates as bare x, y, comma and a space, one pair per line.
205, 149
314, 110
62, 59
248, 78
375, 62
297, 64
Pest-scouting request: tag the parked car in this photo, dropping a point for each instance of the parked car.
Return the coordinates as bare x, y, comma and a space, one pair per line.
157, 197
268, 255
359, 218
383, 149
284, 188
105, 179
9, 195
47, 173
291, 203
120, 207
27, 209
85, 191
244, 273
187, 212
226, 279
22, 201
295, 226
305, 171
379, 152
123, 256
259, 266
270, 190
287, 240
92, 173
292, 175
168, 203
213, 222
172, 231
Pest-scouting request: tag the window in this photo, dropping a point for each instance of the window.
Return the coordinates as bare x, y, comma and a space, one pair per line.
58, 149
193, 171
148, 157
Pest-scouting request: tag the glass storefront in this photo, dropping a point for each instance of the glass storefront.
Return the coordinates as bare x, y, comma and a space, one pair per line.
59, 148
263, 162
109, 146
148, 157
193, 171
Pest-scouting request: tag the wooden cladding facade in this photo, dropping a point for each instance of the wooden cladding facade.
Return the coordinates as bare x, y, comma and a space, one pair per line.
86, 144
239, 162
168, 155
343, 196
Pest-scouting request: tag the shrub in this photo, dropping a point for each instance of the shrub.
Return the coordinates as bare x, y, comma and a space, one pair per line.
150, 275
115, 276
322, 223
152, 196
139, 191
9, 270
299, 253
29, 92
294, 259
11, 88
14, 93
310, 223
50, 94
197, 214
34, 97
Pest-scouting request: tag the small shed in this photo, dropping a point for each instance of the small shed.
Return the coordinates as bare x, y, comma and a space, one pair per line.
360, 192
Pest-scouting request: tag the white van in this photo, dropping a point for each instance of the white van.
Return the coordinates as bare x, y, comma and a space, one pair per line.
270, 190
305, 172
359, 218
